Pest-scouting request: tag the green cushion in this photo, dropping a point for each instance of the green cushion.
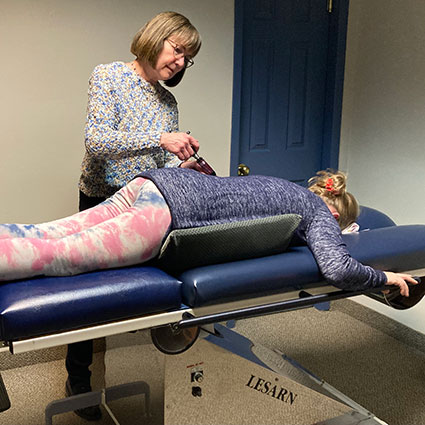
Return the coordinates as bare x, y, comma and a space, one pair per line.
187, 248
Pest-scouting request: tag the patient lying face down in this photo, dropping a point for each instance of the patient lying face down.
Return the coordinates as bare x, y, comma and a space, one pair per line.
129, 227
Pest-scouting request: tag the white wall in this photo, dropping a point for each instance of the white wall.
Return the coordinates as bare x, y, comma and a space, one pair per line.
48, 49
383, 125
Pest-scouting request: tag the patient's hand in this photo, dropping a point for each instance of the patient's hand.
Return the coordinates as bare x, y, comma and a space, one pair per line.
400, 279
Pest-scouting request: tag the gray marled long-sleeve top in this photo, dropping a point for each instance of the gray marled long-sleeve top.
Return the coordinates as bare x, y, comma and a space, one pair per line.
199, 200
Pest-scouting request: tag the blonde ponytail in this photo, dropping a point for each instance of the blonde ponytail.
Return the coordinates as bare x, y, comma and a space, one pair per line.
331, 186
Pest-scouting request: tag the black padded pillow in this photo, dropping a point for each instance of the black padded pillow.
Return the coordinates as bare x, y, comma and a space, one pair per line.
187, 248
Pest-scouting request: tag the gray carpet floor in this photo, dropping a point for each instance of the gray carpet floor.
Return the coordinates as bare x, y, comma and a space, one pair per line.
374, 360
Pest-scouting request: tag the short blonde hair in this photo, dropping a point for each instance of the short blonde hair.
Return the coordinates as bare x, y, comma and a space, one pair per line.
330, 185
149, 40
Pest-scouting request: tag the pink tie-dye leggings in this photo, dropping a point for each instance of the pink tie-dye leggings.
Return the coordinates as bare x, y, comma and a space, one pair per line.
126, 229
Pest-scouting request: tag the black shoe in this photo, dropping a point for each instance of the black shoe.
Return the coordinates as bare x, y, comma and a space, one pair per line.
91, 413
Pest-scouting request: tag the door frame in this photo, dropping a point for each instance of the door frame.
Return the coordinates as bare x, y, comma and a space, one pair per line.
334, 85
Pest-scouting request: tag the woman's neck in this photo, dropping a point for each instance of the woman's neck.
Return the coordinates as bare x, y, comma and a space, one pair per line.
144, 70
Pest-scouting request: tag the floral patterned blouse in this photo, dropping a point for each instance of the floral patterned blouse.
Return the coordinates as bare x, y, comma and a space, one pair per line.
126, 116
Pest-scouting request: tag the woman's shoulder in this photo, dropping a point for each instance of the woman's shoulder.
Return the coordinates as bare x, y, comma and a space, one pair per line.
111, 70
166, 95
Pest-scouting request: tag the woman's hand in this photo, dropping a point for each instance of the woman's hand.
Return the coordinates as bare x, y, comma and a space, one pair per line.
400, 279
181, 144
191, 164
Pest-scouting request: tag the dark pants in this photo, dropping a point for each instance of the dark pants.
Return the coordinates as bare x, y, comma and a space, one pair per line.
80, 354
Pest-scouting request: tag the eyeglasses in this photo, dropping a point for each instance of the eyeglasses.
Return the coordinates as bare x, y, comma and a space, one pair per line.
179, 53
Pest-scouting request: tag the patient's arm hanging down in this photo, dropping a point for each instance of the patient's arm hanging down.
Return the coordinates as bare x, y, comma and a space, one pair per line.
126, 229
337, 265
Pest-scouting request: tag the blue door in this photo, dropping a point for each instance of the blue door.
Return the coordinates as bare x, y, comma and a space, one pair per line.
286, 108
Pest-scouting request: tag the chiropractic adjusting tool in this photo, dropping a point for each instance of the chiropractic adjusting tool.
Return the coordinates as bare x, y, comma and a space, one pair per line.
205, 167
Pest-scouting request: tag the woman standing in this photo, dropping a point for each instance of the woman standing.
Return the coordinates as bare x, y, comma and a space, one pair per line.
132, 120
132, 126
